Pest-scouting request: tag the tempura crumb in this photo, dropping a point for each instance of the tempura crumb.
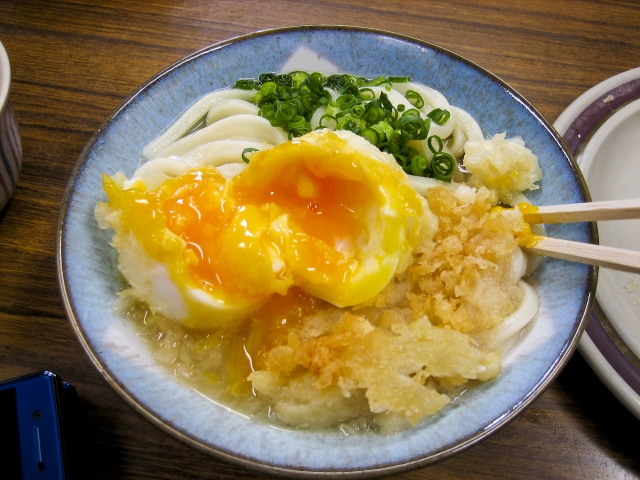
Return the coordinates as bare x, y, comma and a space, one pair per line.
385, 365
411, 348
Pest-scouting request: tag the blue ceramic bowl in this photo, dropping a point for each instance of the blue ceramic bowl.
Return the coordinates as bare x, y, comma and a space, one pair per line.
89, 279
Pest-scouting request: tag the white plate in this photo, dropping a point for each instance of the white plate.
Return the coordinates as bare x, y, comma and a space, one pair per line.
602, 128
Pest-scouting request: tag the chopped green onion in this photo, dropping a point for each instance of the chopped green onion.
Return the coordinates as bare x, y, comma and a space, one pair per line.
289, 101
284, 80
269, 98
268, 111
351, 90
297, 133
430, 144
326, 98
244, 154
443, 165
415, 98
314, 83
378, 81
383, 129
328, 117
267, 77
342, 113
366, 94
357, 111
375, 114
404, 163
286, 112
439, 116
348, 124
370, 135
297, 123
284, 92
384, 101
412, 111
345, 102
268, 87
310, 102
247, 84
412, 126
298, 77
419, 165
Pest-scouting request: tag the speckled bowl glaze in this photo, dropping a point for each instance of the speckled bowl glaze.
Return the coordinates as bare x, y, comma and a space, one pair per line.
89, 279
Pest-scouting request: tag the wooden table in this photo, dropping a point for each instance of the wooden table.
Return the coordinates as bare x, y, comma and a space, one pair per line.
73, 62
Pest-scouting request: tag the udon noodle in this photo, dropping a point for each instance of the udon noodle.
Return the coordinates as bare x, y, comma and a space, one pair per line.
430, 301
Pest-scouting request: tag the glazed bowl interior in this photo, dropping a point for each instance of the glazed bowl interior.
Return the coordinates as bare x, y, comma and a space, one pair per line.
90, 280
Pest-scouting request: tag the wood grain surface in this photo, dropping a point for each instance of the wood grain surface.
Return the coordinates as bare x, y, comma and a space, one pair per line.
74, 62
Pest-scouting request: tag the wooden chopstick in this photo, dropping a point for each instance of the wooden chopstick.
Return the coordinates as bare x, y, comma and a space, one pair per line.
608, 257
582, 212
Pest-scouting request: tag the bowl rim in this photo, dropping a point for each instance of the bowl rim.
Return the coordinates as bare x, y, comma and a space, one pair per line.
249, 463
5, 77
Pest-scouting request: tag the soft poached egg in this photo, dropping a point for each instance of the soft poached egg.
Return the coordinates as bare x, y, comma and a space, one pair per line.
327, 212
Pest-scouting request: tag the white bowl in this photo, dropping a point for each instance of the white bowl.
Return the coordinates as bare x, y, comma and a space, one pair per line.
602, 128
10, 146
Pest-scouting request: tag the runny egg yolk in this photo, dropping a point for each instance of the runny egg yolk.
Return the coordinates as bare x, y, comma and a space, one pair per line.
318, 214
